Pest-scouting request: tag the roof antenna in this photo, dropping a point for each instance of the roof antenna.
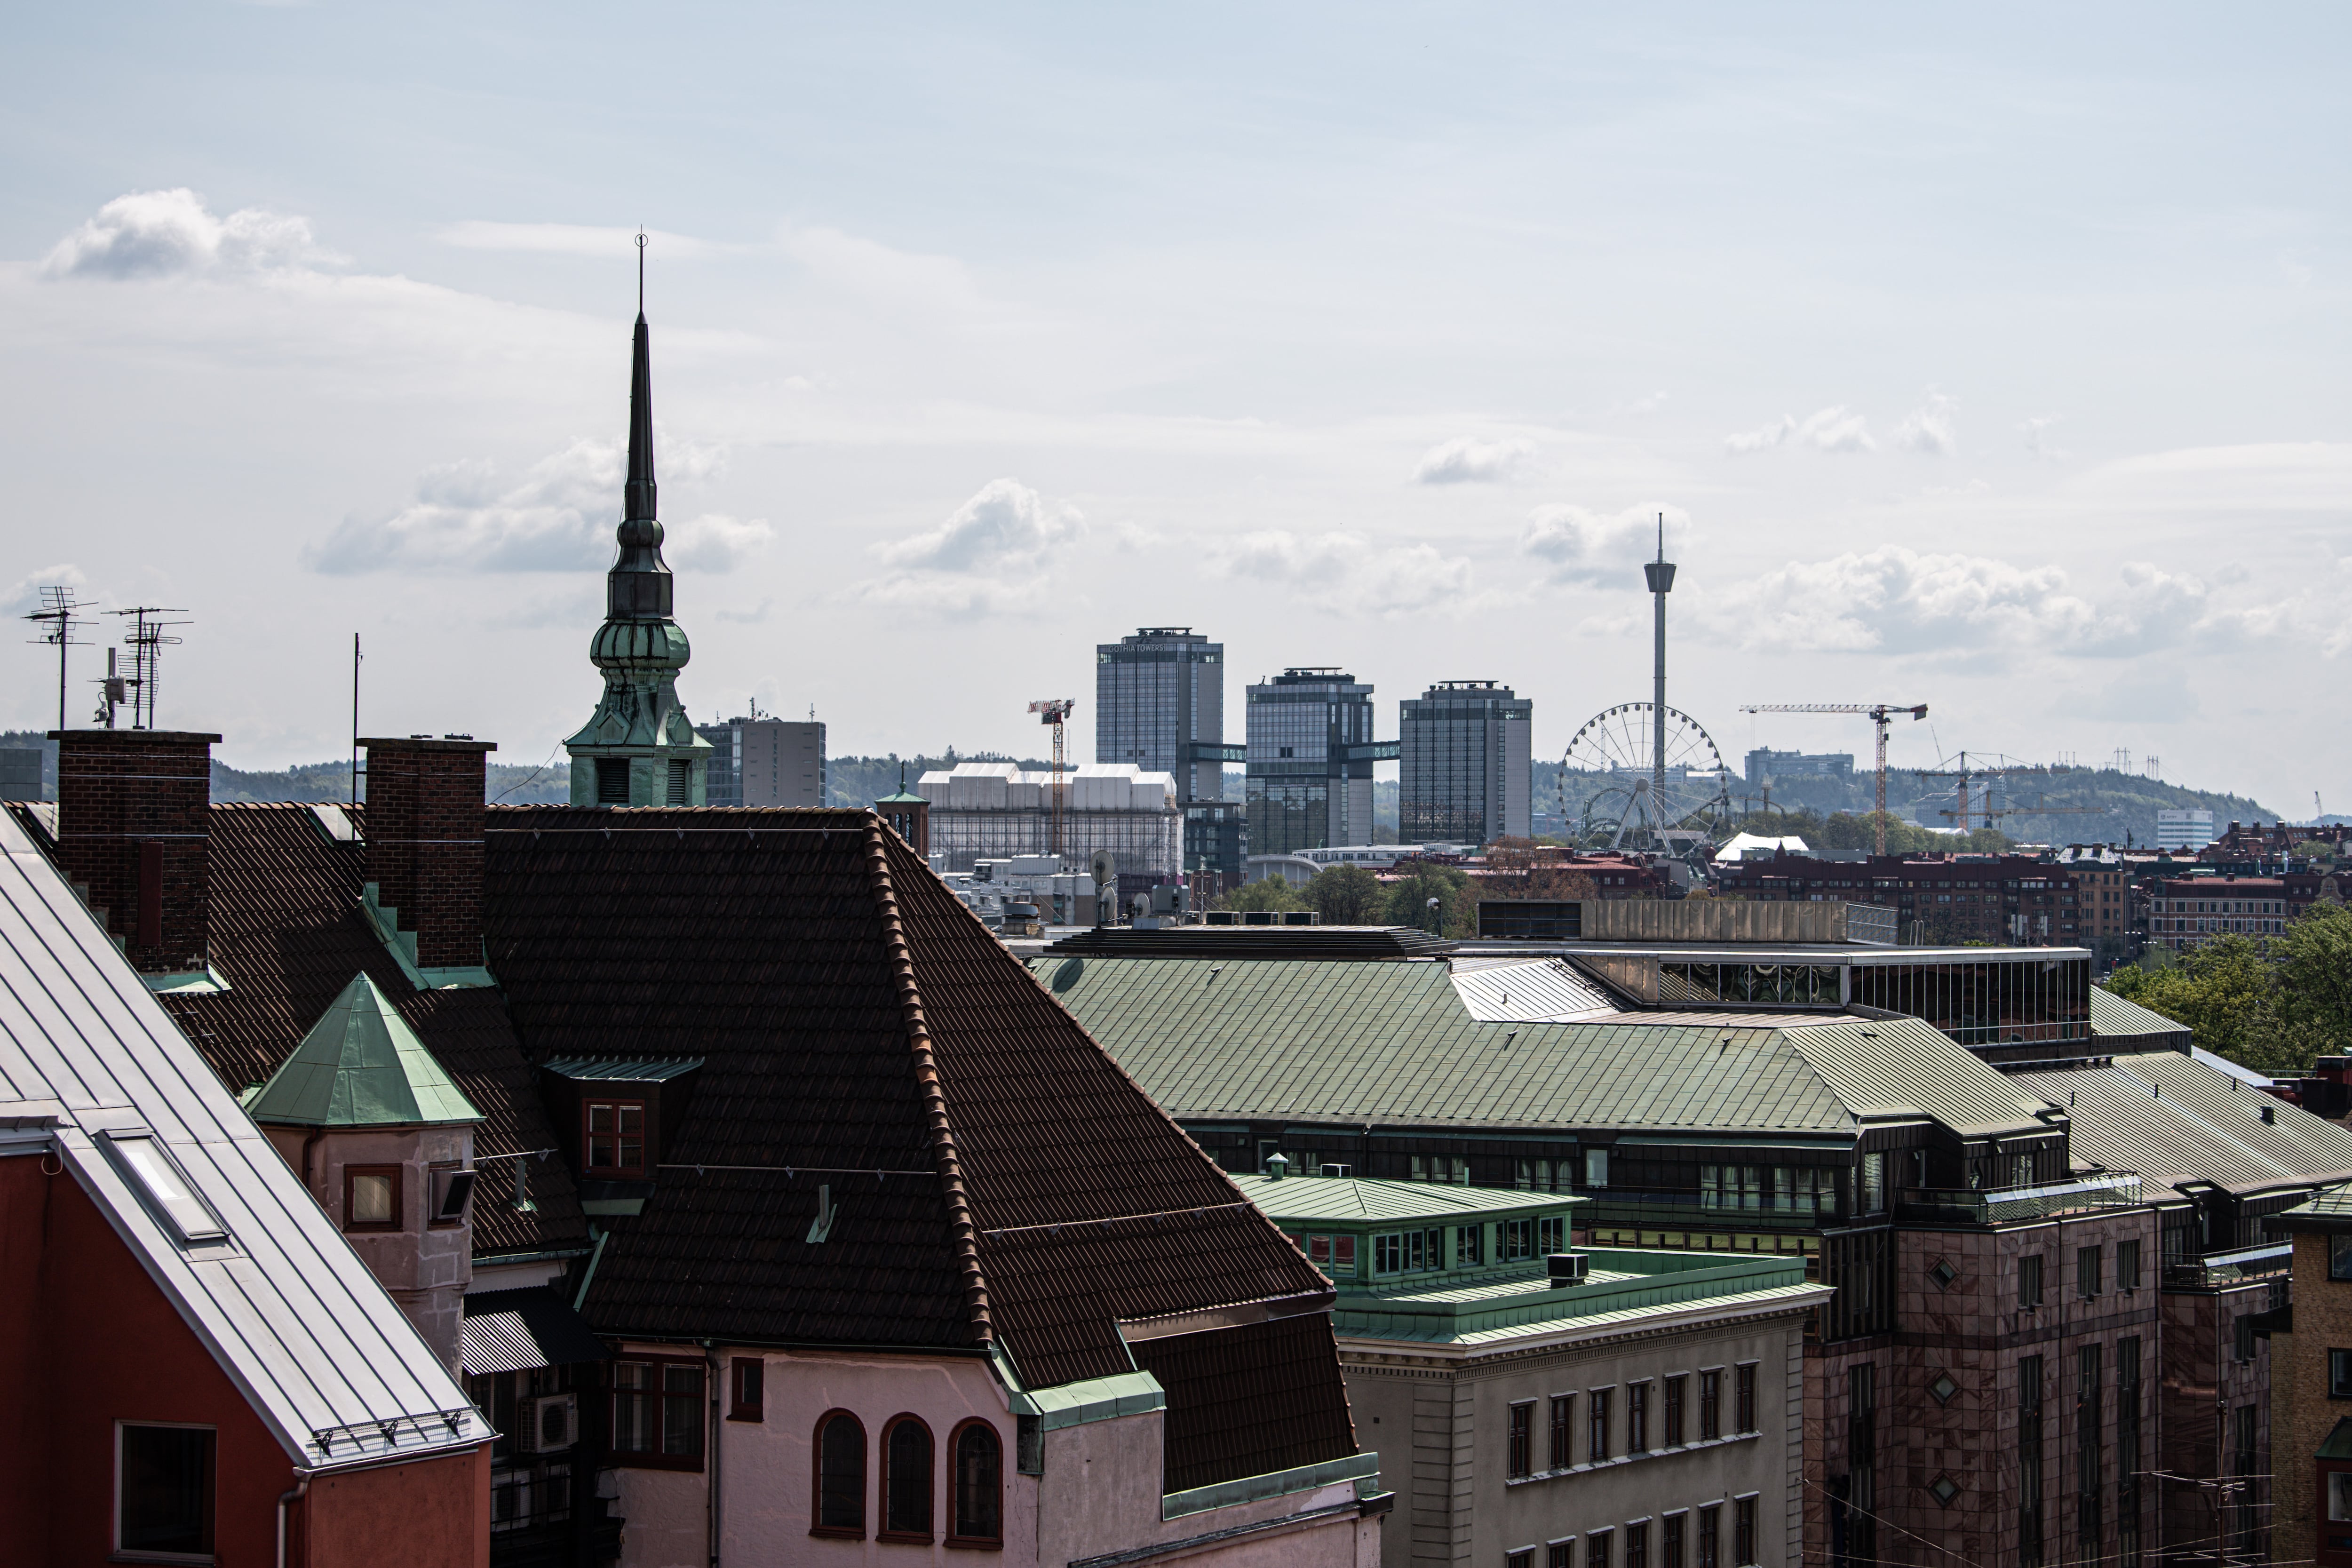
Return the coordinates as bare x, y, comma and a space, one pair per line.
641, 274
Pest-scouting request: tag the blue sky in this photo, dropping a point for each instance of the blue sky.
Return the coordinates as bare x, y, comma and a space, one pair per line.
1992, 361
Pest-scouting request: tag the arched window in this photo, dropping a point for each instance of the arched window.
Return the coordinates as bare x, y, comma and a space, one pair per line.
977, 1455
840, 1453
905, 1480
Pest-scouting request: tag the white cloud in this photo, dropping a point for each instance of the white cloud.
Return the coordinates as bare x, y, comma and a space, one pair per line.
1773, 435
23, 596
1469, 459
714, 541
559, 517
1896, 600
1343, 573
1838, 429
2036, 432
1833, 429
1582, 546
573, 239
1929, 428
991, 556
1006, 523
156, 234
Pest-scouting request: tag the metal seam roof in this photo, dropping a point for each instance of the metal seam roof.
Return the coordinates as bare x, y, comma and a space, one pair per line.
288, 1311
2174, 1120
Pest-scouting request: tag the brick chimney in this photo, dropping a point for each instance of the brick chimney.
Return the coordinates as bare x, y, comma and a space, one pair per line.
134, 831
424, 826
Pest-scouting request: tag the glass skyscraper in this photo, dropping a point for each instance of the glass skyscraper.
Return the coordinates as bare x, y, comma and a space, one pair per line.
1157, 694
1463, 753
1307, 787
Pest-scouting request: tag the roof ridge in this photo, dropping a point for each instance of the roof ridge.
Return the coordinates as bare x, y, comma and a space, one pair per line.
927, 1078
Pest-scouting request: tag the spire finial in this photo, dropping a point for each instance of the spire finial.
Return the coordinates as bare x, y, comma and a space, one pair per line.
641, 272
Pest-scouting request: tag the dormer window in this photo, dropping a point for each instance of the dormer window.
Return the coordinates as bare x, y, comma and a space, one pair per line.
616, 1141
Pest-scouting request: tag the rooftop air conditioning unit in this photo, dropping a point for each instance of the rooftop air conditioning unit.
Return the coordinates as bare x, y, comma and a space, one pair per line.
1567, 1268
554, 1422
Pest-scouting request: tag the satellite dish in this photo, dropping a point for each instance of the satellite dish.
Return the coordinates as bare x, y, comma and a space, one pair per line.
1104, 868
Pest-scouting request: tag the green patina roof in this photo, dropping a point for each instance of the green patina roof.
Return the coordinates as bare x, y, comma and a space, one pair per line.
1625, 1286
361, 1066
1391, 1043
1340, 1199
2339, 1442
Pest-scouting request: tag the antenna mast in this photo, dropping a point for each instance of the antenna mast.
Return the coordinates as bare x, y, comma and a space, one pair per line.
59, 607
1661, 576
147, 640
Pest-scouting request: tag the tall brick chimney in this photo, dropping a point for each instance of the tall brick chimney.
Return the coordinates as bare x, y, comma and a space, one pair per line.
135, 829
424, 826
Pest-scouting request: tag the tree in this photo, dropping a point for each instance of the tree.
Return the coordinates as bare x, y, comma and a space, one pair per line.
1268, 892
2221, 990
2315, 976
1346, 895
1409, 895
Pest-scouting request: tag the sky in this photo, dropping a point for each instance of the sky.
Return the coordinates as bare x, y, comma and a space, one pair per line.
1993, 359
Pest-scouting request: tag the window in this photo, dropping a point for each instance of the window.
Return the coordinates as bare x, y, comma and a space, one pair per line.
1536, 1175
906, 1480
1469, 1245
2339, 1495
2128, 1265
1709, 1519
658, 1413
2128, 1432
1596, 1437
1862, 1461
2029, 1279
1523, 1559
681, 784
2245, 1335
453, 1188
840, 1475
2339, 1375
750, 1383
1029, 1446
372, 1198
1563, 1412
1598, 1548
612, 780
2029, 1461
1637, 1545
2088, 1263
1596, 1167
1675, 1411
979, 1460
1670, 1540
2339, 1257
2089, 1460
1519, 1460
617, 1137
1637, 1417
1743, 1530
1408, 1252
1732, 1187
1744, 1398
1873, 1184
1710, 1405
164, 1490
164, 1186
1551, 1234
1561, 1554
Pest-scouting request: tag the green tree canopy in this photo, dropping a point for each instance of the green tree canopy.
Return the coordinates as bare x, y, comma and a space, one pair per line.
1409, 895
1270, 893
1346, 896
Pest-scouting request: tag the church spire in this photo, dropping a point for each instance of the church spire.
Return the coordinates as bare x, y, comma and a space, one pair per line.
639, 748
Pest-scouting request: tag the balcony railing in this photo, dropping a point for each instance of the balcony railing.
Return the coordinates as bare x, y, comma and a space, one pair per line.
2007, 1206
2228, 1267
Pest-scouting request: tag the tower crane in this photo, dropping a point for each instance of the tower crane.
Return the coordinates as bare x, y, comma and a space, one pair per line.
1879, 713
2001, 768
1055, 711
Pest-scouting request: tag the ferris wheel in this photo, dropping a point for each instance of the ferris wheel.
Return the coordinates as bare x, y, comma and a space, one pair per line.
1611, 796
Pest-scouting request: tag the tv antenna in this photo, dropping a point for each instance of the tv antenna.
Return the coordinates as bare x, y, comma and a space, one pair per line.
58, 608
147, 638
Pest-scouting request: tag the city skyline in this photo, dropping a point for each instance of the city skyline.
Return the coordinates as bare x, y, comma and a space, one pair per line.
1999, 382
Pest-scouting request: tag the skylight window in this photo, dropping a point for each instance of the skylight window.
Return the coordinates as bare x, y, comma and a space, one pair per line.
151, 1169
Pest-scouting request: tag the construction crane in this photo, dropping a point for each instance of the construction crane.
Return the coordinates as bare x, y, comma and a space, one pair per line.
1055, 711
1879, 713
1964, 814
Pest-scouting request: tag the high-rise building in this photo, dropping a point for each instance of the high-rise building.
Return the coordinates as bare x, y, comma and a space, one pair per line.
765, 761
1765, 764
2186, 829
1463, 747
1159, 695
639, 748
1309, 762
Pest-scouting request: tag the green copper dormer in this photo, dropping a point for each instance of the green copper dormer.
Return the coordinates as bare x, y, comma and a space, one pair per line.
639, 748
361, 1066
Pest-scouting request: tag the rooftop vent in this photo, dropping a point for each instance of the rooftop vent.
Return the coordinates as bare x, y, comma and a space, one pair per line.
1567, 1268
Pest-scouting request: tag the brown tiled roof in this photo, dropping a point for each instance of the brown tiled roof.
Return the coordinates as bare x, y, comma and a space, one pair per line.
1245, 1401
287, 935
999, 1178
